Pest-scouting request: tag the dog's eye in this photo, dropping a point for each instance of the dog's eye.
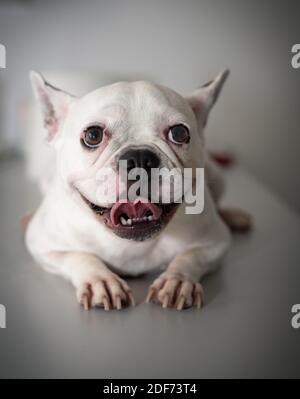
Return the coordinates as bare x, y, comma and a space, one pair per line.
179, 134
92, 136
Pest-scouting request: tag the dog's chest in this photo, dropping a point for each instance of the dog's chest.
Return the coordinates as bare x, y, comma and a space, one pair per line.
132, 257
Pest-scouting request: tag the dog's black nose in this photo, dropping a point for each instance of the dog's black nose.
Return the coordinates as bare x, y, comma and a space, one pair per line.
140, 158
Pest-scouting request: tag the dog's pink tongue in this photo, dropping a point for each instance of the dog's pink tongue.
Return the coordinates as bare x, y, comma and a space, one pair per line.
136, 209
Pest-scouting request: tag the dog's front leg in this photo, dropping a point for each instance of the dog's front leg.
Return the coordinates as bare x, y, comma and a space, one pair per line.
179, 286
95, 284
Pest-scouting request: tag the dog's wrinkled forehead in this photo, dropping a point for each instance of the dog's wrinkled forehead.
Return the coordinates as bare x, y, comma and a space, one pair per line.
132, 106
127, 105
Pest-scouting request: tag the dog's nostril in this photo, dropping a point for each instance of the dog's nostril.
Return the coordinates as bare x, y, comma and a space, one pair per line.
151, 161
130, 164
145, 159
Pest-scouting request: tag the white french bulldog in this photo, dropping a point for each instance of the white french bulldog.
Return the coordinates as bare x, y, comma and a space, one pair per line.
92, 242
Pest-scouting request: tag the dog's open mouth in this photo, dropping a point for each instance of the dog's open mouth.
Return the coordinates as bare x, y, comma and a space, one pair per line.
136, 220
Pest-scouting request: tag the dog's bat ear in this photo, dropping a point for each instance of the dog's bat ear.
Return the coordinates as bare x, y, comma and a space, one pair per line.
204, 98
54, 103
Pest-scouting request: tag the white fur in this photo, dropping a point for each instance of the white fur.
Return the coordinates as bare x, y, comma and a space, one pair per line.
66, 238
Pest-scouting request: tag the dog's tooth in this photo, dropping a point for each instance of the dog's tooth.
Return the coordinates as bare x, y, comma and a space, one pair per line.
129, 222
134, 219
145, 218
123, 221
150, 218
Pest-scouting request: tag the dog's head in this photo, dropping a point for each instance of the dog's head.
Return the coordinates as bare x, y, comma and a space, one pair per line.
137, 125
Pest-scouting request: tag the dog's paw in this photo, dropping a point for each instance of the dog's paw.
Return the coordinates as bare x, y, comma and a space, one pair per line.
175, 292
109, 293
